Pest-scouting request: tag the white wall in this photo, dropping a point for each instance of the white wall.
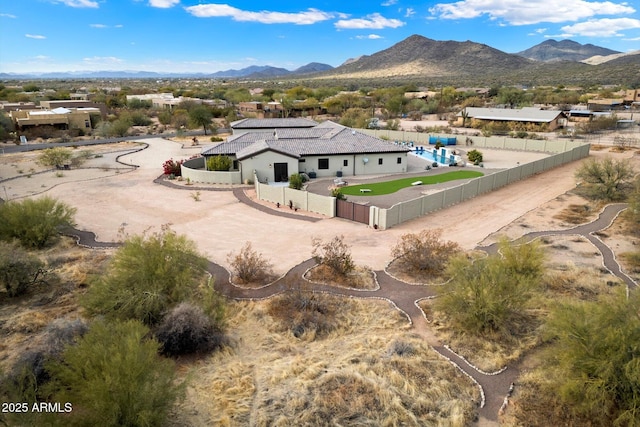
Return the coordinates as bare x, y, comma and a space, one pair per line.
262, 164
356, 164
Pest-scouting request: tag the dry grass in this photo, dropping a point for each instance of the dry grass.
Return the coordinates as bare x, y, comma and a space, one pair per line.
578, 214
367, 371
579, 283
360, 278
396, 269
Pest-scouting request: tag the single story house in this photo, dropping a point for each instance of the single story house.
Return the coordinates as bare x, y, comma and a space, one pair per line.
552, 118
61, 118
324, 150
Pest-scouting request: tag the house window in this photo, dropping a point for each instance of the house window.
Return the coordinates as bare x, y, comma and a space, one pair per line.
323, 163
380, 161
235, 165
87, 124
345, 163
399, 161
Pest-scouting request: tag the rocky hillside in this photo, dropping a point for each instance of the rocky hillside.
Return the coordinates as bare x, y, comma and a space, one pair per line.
565, 50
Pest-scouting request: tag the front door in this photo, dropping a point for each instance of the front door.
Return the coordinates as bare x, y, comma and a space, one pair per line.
281, 172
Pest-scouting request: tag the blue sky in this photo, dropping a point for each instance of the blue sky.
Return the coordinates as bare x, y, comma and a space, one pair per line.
203, 36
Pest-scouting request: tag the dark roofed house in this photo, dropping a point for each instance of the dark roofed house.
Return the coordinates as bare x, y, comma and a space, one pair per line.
326, 149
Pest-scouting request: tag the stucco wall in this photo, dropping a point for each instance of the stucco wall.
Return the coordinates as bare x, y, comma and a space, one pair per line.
262, 164
194, 170
356, 164
304, 200
405, 211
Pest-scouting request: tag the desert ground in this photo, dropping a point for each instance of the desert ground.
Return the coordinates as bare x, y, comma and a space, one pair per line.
113, 198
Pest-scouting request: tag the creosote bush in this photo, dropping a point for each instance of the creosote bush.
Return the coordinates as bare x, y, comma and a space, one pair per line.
34, 222
250, 266
335, 254
606, 179
424, 253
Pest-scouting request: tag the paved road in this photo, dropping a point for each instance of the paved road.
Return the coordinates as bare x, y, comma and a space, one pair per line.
495, 387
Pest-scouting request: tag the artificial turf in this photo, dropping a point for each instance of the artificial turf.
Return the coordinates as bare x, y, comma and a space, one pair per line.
388, 187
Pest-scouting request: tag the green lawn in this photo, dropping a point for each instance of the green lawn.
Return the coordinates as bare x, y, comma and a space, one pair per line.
388, 187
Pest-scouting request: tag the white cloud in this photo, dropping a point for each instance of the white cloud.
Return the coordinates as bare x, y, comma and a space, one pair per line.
389, 2
602, 27
163, 4
310, 16
527, 12
409, 12
635, 39
373, 22
41, 57
35, 36
79, 3
8, 15
101, 26
369, 37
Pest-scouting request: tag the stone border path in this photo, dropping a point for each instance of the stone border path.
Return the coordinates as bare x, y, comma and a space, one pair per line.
495, 388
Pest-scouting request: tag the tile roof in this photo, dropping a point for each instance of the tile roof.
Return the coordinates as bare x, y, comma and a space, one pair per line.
292, 122
325, 139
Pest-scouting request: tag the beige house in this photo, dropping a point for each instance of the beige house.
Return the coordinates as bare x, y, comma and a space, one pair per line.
324, 150
61, 118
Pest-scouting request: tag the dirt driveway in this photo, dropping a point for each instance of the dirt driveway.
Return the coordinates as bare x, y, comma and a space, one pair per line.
220, 224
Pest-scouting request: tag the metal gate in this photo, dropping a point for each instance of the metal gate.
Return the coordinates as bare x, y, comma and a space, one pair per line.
352, 211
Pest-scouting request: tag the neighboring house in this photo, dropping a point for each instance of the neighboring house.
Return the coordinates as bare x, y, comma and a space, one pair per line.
61, 118
261, 110
164, 100
74, 104
605, 104
327, 149
13, 106
553, 119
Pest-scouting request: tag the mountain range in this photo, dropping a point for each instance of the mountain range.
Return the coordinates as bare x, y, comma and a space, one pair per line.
418, 58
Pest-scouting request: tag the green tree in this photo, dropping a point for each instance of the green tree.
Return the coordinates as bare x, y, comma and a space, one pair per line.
606, 179
219, 163
18, 268
114, 377
164, 117
34, 222
147, 276
511, 96
633, 212
55, 157
594, 360
201, 116
487, 295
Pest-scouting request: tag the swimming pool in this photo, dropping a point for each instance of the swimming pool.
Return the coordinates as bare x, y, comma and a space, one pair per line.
427, 154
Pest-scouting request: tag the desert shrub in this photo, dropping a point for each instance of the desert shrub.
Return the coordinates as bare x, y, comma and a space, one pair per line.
401, 348
632, 214
249, 266
606, 179
187, 329
593, 359
522, 259
216, 139
148, 276
338, 194
424, 253
296, 181
34, 222
487, 296
219, 163
172, 167
56, 156
140, 119
114, 376
335, 254
304, 313
27, 379
475, 156
81, 158
18, 269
